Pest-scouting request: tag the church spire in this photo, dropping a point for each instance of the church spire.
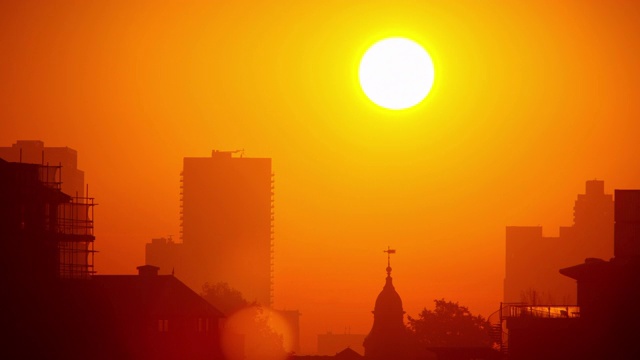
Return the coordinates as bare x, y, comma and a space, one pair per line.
388, 338
389, 251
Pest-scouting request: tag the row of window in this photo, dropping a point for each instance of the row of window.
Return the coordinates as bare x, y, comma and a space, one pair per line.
203, 325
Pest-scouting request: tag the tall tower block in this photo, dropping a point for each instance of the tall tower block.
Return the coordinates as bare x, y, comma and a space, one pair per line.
227, 223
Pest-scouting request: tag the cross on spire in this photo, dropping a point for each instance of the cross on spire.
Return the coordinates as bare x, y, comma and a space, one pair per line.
389, 251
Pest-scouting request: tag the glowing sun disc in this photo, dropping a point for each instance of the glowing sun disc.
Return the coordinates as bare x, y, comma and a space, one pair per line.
396, 73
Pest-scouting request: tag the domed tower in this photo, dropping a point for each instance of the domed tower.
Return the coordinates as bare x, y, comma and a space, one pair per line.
388, 339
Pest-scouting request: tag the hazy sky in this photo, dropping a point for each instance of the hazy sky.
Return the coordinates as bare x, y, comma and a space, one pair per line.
530, 100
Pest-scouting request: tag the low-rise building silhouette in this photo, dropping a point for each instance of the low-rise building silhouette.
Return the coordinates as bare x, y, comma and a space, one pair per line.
604, 324
153, 316
532, 259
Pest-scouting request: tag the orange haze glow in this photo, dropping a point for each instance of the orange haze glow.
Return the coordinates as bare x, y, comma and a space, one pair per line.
530, 100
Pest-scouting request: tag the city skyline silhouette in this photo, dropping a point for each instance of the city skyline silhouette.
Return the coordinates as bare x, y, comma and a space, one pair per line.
529, 101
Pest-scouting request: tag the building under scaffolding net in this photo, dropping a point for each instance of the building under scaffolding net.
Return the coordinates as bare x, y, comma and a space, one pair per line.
44, 233
75, 244
72, 228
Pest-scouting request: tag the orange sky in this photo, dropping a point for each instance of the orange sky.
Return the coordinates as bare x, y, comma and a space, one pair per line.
530, 100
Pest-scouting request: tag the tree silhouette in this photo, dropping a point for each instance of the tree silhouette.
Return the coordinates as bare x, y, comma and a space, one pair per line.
450, 325
224, 297
251, 320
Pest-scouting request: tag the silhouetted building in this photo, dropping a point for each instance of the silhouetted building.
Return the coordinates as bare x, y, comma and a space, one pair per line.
329, 343
227, 230
34, 152
136, 317
388, 338
604, 325
609, 291
53, 307
151, 316
533, 260
45, 234
46, 238
165, 254
292, 319
536, 332
227, 225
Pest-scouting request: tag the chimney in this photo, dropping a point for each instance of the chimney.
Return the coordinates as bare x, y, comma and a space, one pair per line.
148, 270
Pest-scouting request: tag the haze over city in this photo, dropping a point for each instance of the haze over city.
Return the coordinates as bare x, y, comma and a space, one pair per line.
529, 100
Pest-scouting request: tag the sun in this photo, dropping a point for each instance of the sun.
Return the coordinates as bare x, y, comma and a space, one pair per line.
396, 73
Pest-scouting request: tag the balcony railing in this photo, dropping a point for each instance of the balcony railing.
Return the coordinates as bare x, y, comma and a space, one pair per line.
540, 311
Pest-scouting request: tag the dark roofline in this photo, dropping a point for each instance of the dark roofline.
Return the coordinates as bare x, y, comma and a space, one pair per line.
167, 279
585, 269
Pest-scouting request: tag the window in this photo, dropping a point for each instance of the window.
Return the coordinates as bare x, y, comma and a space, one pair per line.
203, 325
163, 325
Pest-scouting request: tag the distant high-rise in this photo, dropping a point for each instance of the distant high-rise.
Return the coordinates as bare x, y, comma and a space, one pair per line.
34, 152
165, 254
227, 225
533, 260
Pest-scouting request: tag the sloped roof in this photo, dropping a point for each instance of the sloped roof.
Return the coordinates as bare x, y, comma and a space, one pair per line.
347, 354
158, 295
590, 268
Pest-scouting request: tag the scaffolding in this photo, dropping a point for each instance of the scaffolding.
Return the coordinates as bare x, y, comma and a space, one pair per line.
71, 223
50, 176
75, 238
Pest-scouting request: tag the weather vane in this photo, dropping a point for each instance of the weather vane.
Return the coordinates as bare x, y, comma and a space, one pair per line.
389, 251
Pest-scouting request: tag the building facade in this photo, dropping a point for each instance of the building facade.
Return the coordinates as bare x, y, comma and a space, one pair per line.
46, 240
532, 259
227, 226
604, 324
150, 316
34, 152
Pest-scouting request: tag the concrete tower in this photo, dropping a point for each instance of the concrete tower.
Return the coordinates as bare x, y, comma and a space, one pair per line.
227, 226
